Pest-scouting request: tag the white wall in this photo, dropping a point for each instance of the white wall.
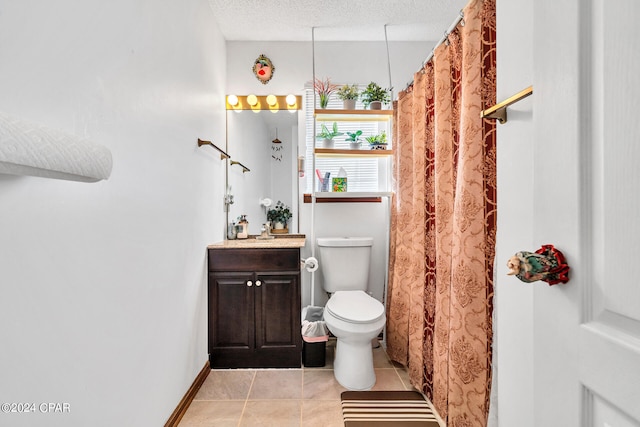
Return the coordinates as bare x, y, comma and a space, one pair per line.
345, 62
103, 286
514, 299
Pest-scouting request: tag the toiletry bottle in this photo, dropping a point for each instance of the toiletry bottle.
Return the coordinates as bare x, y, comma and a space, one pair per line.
232, 231
243, 227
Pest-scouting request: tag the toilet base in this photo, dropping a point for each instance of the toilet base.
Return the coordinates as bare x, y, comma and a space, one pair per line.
354, 371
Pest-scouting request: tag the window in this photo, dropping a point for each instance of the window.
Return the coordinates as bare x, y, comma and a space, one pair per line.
364, 174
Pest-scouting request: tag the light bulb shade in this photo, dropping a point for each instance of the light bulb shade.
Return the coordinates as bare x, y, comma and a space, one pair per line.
252, 100
291, 99
272, 100
232, 100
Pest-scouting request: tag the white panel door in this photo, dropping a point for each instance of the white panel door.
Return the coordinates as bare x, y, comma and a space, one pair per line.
587, 196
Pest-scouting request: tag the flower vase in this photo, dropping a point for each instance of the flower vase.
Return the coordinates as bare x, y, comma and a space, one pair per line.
375, 105
327, 143
280, 228
324, 101
349, 104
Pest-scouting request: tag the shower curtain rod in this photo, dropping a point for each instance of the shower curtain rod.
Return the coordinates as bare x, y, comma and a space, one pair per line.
459, 18
452, 27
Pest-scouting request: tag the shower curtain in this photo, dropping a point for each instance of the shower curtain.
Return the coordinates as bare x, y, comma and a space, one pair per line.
439, 302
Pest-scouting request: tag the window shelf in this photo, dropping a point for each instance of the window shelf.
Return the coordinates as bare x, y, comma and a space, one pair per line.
353, 115
338, 152
349, 197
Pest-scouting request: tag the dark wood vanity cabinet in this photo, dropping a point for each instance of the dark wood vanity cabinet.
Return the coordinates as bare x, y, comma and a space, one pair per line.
254, 308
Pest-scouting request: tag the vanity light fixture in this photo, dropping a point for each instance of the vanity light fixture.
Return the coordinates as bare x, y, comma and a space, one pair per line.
232, 100
272, 100
252, 100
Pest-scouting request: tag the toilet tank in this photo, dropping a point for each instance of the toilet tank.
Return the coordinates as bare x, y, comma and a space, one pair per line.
345, 262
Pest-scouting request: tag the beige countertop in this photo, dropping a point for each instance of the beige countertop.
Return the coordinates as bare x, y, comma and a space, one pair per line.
279, 241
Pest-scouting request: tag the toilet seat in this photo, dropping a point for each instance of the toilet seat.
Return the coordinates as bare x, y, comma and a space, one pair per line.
355, 307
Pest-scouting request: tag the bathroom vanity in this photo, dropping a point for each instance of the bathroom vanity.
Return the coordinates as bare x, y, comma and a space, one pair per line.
254, 303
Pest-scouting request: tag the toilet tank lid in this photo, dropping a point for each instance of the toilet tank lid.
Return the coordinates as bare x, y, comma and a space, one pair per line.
345, 241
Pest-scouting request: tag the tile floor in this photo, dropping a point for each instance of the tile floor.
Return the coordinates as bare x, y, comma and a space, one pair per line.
305, 397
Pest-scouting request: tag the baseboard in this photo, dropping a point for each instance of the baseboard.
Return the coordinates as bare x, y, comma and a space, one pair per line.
182, 407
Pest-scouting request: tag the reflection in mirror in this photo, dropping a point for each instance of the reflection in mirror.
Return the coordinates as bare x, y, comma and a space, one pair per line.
273, 165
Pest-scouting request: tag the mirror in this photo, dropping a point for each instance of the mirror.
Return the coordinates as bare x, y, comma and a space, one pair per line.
273, 168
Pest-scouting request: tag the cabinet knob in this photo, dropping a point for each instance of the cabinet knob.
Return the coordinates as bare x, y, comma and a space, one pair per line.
258, 283
249, 283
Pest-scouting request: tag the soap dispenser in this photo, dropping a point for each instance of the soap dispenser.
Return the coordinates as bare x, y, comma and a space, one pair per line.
243, 227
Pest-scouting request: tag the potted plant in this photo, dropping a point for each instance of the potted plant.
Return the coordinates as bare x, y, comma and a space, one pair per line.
279, 216
378, 142
354, 139
327, 135
374, 96
324, 89
348, 94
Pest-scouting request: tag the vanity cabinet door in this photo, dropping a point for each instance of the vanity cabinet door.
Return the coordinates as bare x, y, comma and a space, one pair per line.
278, 339
231, 318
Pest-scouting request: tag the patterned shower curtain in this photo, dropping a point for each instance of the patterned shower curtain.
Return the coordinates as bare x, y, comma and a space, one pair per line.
440, 295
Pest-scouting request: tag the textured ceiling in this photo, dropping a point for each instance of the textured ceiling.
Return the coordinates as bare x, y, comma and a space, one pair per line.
348, 20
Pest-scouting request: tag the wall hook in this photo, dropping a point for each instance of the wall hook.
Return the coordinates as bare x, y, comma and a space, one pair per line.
547, 264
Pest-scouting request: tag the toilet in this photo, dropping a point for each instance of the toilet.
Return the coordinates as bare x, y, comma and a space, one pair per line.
352, 315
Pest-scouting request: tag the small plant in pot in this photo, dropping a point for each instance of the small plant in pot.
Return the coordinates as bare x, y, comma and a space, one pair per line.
354, 139
279, 216
378, 142
327, 135
349, 95
373, 96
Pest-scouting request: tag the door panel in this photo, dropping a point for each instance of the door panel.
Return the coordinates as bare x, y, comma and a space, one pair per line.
587, 193
606, 415
232, 301
279, 311
610, 334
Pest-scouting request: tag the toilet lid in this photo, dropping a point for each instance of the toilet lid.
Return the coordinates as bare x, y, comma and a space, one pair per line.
354, 307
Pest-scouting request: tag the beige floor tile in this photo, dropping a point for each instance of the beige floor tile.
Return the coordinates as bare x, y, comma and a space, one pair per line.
271, 413
404, 377
229, 384
322, 413
387, 379
213, 413
320, 384
380, 359
277, 384
307, 397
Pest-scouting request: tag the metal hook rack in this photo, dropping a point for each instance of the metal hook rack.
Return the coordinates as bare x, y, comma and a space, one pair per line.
223, 154
244, 168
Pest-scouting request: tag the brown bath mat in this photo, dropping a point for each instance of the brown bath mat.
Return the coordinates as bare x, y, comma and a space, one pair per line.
386, 409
